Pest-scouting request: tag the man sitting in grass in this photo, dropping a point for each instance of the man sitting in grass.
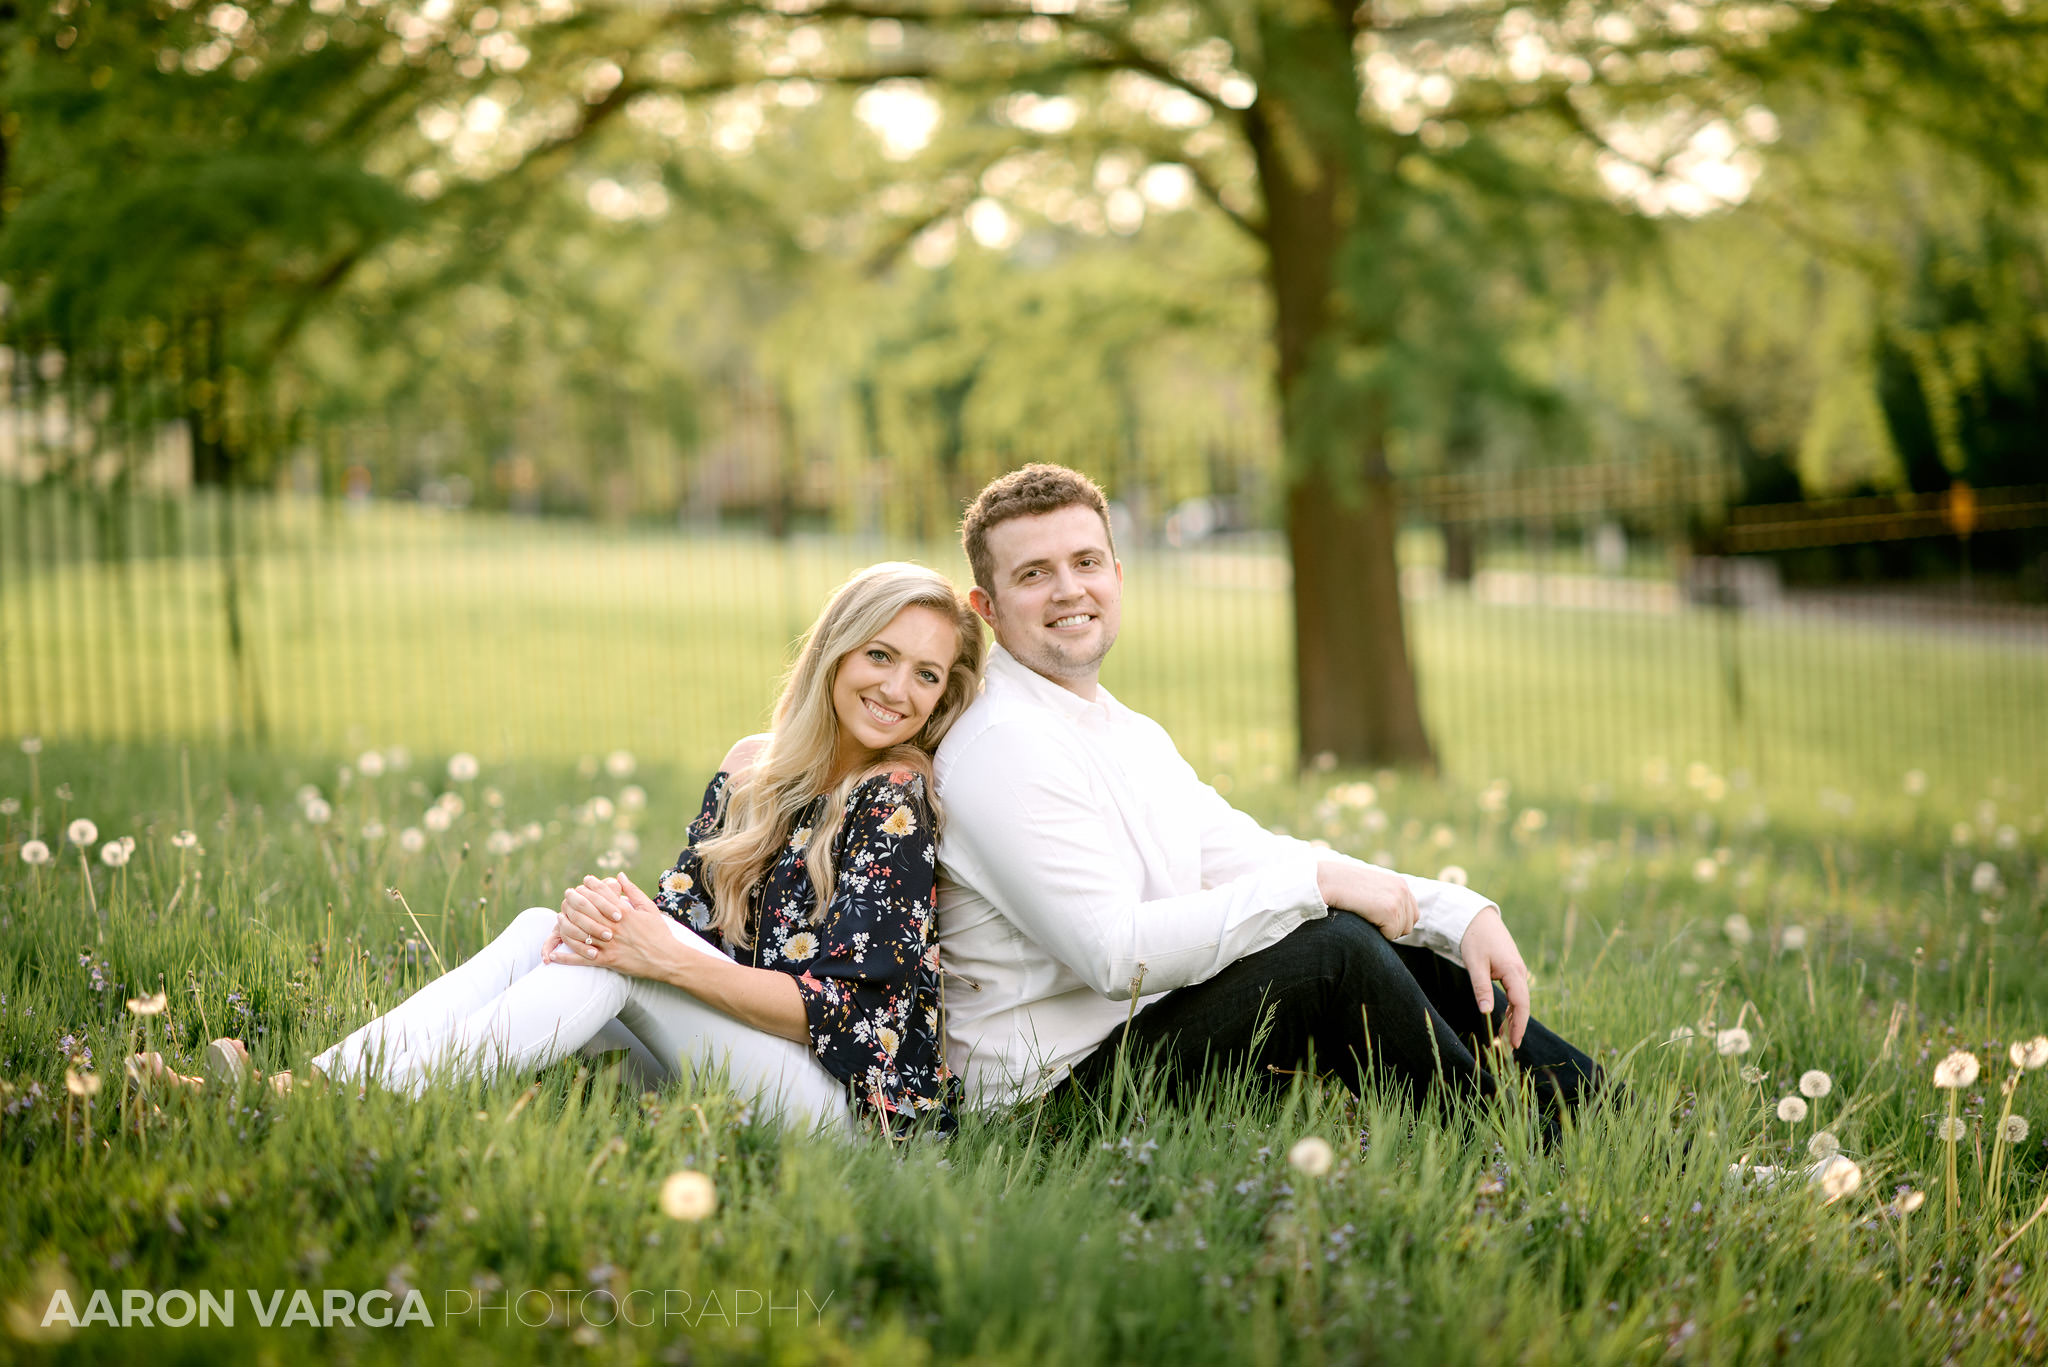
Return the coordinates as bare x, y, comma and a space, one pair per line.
1085, 865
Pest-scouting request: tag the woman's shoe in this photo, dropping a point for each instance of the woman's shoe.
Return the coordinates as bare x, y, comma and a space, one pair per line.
149, 1072
227, 1061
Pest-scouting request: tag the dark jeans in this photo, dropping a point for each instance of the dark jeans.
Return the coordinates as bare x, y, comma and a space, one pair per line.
1339, 988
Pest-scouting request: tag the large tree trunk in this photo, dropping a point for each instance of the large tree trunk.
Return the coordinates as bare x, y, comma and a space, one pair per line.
1355, 696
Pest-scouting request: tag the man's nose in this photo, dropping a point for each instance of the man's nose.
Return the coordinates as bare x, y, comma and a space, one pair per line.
1065, 585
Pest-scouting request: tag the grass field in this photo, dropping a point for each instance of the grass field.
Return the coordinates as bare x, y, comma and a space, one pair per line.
1878, 932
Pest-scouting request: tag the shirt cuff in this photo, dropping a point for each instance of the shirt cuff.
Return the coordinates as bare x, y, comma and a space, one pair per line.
1443, 910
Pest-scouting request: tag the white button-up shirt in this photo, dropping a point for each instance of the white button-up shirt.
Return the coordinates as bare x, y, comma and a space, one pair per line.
1083, 863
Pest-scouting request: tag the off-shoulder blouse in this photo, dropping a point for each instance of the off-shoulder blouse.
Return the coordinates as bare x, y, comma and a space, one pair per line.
865, 963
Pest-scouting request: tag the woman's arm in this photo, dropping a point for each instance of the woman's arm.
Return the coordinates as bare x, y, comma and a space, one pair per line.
613, 924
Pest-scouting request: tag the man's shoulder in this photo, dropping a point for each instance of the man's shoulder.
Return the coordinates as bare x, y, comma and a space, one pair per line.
1001, 714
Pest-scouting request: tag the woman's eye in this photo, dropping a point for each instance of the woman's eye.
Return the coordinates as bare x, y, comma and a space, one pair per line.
929, 677
878, 655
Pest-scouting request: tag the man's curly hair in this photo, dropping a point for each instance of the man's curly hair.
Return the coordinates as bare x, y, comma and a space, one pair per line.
1025, 492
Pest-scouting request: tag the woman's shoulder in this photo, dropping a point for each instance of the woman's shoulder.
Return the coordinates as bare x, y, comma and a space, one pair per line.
886, 787
744, 752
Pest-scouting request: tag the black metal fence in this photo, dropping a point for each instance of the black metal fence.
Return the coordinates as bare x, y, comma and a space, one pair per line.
1567, 629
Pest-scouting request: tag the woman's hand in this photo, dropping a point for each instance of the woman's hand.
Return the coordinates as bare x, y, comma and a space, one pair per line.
609, 923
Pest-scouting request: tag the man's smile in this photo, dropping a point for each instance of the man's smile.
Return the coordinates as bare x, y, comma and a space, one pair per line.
1070, 621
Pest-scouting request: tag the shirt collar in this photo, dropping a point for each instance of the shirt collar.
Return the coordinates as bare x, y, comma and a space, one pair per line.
1045, 692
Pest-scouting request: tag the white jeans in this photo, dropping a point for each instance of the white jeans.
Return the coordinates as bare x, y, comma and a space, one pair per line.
506, 1009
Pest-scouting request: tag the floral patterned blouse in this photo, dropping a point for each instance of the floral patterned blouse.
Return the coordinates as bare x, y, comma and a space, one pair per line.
865, 962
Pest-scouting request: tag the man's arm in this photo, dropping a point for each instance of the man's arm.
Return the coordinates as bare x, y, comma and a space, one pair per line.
1233, 843
1025, 827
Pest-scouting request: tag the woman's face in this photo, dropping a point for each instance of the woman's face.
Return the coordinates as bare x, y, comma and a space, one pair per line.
888, 686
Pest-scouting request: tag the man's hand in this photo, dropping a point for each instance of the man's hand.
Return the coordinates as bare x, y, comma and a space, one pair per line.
1490, 956
1380, 896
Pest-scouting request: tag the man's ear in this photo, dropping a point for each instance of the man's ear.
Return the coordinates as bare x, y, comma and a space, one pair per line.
984, 606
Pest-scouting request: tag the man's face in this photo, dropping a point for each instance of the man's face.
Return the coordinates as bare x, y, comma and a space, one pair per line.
1058, 597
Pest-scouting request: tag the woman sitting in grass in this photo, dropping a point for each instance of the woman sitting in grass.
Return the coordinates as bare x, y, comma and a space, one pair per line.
791, 942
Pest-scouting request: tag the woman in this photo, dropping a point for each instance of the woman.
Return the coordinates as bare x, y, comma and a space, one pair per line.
791, 941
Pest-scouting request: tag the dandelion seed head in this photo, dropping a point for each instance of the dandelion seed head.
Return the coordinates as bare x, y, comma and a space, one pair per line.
1793, 938
9, 805
611, 861
620, 764
2014, 1130
318, 813
462, 767
1911, 1202
113, 854
1791, 1109
151, 1005
452, 804
2007, 838
1984, 878
1752, 1075
1453, 874
688, 1195
601, 808
1957, 1071
35, 852
632, 798
436, 819
370, 764
185, 840
412, 840
31, 745
1824, 1144
1442, 836
1916, 782
501, 843
1837, 1177
1816, 1084
1705, 870
2030, 1054
1311, 1156
1952, 1129
1683, 1034
1737, 927
1732, 1041
373, 831
531, 832
81, 832
1961, 833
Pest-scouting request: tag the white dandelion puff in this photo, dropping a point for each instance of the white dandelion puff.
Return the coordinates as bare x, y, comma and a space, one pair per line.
1791, 1109
1837, 1177
412, 840
1732, 1041
1984, 878
620, 764
632, 798
462, 767
501, 843
113, 854
688, 1195
373, 831
2030, 1054
185, 840
436, 819
1957, 1071
1824, 1144
1952, 1130
1705, 870
2014, 1130
318, 812
35, 853
1454, 874
1793, 938
1816, 1084
1737, 928
1312, 1156
81, 832
370, 764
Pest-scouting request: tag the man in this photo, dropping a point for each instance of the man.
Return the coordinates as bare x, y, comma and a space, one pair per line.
1086, 865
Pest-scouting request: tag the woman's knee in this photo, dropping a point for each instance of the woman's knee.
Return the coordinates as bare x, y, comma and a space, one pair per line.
535, 923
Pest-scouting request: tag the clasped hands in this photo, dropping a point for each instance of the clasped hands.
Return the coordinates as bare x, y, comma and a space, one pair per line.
1487, 950
610, 923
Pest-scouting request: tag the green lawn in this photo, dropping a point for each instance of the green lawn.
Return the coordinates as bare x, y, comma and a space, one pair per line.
1880, 931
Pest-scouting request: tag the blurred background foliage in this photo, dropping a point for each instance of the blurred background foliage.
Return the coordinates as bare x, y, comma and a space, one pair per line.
835, 262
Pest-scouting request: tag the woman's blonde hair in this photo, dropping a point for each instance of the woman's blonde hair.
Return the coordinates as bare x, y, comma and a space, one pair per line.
795, 765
